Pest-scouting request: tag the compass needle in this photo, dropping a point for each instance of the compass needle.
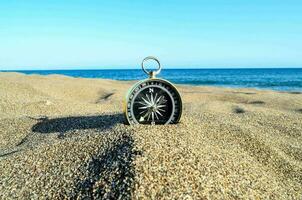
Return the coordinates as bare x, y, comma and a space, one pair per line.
149, 114
161, 106
142, 103
146, 114
158, 99
152, 102
144, 107
148, 98
159, 113
161, 110
147, 102
155, 98
156, 115
142, 112
152, 114
141, 119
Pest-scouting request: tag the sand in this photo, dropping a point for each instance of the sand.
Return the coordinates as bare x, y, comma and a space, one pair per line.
65, 138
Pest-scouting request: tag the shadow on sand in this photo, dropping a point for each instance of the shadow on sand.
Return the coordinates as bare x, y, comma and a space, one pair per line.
109, 174
65, 124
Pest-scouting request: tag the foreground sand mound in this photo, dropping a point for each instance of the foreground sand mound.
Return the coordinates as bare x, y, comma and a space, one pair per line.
63, 137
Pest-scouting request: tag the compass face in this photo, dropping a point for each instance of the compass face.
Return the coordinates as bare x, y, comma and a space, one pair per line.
154, 101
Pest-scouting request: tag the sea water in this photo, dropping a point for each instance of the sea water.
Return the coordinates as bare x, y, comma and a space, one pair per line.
285, 79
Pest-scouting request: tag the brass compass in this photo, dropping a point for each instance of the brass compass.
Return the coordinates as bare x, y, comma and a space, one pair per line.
153, 100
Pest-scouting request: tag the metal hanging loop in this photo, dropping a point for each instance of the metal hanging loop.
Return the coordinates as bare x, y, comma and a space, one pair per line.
151, 74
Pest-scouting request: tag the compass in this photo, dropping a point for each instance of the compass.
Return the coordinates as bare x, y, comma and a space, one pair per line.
153, 100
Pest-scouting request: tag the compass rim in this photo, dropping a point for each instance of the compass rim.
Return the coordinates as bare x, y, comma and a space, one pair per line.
162, 88
130, 91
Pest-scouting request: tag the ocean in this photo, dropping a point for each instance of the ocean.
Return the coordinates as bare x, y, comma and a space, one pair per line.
285, 79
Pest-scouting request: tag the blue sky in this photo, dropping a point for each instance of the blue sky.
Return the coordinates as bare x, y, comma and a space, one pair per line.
57, 34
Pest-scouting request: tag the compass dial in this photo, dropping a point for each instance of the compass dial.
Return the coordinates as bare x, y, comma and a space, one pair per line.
154, 101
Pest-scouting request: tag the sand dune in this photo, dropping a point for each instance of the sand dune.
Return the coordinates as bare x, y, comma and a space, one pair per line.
63, 137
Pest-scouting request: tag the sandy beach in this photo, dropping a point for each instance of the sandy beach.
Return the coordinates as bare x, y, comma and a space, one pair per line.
64, 137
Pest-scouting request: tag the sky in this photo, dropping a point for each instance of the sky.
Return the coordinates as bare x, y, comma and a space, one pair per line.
81, 34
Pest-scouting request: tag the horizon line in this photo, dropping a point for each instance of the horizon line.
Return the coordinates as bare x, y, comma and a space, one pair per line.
132, 68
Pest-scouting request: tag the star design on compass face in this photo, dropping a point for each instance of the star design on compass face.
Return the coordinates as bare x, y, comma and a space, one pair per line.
152, 107
154, 101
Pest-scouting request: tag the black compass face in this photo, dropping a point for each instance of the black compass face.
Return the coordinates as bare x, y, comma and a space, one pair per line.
154, 101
